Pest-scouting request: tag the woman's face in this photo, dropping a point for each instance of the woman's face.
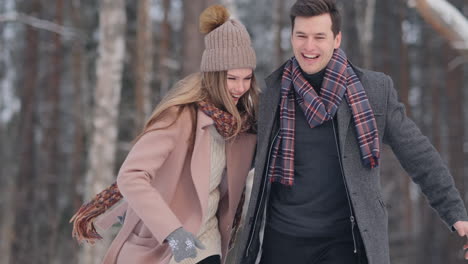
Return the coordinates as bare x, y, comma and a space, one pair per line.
239, 82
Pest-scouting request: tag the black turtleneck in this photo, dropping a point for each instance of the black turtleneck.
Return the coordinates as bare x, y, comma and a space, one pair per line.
316, 205
315, 80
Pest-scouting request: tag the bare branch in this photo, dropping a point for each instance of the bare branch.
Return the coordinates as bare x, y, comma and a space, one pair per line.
447, 20
458, 61
40, 24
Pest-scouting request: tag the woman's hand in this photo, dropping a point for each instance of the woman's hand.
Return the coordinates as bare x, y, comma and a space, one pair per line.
183, 243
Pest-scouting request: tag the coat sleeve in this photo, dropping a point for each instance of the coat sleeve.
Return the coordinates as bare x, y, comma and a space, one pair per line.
421, 160
140, 168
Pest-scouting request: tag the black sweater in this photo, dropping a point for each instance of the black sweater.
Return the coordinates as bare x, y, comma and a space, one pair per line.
316, 205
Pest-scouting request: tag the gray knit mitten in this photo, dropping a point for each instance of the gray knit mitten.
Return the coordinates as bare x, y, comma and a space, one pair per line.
183, 244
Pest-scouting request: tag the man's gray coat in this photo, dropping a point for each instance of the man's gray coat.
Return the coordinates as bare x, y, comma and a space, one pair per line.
414, 151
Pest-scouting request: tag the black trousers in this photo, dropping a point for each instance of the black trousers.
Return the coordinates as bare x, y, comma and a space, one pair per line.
281, 248
215, 259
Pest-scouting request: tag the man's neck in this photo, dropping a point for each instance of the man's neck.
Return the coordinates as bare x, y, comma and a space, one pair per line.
315, 79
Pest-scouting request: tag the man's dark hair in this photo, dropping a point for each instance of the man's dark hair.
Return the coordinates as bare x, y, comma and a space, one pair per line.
310, 8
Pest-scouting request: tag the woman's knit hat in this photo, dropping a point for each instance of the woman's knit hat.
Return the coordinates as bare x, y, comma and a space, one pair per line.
227, 42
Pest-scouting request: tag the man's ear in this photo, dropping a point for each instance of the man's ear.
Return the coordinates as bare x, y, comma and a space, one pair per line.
337, 40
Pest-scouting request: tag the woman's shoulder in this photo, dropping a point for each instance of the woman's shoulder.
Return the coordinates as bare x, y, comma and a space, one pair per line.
178, 116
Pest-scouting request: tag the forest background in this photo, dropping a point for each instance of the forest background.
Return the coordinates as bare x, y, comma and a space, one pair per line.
79, 78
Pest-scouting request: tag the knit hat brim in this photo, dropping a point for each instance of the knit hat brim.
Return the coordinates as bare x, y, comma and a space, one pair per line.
223, 59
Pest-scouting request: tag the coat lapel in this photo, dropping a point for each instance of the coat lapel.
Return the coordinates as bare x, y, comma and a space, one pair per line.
201, 157
343, 117
239, 155
270, 100
268, 113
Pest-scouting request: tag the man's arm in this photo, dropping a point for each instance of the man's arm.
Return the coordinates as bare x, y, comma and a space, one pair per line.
423, 163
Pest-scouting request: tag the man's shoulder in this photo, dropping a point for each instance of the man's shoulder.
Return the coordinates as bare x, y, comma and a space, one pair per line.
369, 75
376, 84
276, 74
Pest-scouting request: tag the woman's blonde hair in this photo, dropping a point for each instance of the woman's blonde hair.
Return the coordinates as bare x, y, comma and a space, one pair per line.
210, 86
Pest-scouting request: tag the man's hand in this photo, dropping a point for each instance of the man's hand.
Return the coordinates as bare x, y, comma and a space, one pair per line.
462, 230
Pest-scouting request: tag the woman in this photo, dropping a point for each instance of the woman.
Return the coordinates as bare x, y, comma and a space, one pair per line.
183, 179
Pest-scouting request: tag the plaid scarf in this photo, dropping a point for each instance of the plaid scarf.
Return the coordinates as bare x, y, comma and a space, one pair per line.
224, 122
339, 81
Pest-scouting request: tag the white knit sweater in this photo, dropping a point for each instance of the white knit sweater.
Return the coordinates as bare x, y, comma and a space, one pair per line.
209, 233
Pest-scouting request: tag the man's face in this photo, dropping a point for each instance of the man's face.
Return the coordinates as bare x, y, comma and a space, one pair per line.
313, 42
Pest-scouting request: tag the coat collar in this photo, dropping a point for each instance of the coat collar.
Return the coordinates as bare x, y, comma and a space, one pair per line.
203, 121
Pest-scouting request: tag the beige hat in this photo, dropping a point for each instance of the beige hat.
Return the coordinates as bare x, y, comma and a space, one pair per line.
227, 42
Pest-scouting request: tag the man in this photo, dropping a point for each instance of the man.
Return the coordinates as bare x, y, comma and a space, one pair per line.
316, 194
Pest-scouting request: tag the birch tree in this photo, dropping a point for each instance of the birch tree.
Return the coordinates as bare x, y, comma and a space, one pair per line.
365, 15
9, 107
112, 24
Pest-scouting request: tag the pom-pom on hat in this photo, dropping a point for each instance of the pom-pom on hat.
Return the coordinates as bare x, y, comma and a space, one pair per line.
227, 42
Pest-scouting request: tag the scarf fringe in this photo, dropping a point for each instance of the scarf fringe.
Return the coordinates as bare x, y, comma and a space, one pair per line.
83, 220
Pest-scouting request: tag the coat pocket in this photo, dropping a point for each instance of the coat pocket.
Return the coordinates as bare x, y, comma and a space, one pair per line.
149, 242
137, 249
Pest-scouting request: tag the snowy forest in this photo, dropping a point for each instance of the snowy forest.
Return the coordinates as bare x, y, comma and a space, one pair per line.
79, 78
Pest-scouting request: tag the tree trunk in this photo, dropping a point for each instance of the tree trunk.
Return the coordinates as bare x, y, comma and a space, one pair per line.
78, 74
165, 50
350, 30
192, 39
23, 250
112, 22
278, 23
77, 155
46, 197
143, 65
9, 107
365, 11
193, 44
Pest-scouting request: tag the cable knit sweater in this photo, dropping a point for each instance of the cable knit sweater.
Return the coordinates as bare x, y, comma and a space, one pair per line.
209, 233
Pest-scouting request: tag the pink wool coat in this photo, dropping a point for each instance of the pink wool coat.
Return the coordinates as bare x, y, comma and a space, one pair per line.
165, 187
